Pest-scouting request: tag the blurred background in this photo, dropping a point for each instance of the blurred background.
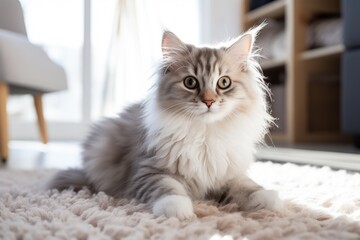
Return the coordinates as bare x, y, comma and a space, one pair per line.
108, 50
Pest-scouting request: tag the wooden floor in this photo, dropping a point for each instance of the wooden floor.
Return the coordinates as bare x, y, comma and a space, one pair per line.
337, 156
29, 155
34, 155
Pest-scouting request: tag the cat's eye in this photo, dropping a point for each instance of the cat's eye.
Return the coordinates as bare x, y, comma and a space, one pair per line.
224, 82
191, 82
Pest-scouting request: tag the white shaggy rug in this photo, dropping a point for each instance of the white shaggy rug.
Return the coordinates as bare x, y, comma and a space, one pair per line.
319, 204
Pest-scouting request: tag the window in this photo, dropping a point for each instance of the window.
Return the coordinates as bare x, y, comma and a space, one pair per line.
57, 26
76, 34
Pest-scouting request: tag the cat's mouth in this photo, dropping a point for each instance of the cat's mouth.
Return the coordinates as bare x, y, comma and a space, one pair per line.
209, 112
214, 113
211, 115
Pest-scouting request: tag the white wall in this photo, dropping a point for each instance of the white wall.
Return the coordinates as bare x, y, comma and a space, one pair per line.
220, 20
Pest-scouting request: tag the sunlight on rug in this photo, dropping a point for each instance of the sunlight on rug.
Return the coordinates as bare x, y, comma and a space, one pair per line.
319, 203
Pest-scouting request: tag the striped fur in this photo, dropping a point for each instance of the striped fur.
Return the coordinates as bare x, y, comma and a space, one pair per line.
172, 148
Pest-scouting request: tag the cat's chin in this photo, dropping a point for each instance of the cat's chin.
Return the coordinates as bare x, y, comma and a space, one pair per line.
211, 117
215, 114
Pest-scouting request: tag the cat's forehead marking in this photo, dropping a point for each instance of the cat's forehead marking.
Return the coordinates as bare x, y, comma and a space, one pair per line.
207, 62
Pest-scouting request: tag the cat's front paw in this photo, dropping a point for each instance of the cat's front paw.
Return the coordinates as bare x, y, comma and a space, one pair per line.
174, 206
264, 199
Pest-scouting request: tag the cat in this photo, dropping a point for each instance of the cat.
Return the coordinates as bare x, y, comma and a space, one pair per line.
192, 138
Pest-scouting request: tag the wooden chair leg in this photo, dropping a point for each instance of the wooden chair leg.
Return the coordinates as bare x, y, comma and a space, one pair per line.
4, 130
40, 117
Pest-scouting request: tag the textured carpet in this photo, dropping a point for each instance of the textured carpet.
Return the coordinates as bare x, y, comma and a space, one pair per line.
319, 204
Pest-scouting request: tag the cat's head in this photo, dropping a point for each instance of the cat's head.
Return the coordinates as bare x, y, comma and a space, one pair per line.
210, 84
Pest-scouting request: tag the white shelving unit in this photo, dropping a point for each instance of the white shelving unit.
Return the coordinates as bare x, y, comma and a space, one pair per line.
306, 113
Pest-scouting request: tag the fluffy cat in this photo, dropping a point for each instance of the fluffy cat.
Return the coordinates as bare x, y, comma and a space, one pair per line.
192, 138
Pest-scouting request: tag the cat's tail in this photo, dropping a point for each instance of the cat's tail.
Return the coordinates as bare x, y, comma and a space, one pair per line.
72, 178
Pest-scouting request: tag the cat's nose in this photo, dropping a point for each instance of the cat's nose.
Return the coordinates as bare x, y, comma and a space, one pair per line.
208, 102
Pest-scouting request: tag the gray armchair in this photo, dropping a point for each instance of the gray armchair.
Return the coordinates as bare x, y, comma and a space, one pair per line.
24, 69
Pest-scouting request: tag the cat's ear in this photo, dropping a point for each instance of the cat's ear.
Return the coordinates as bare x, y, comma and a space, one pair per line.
240, 50
172, 49
171, 43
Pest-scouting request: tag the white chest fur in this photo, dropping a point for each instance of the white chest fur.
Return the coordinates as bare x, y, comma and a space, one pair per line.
206, 154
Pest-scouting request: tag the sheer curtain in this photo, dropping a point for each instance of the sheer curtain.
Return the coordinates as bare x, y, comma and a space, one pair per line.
136, 46
134, 49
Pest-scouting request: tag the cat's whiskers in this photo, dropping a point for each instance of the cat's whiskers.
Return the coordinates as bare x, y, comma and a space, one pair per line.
172, 106
181, 111
189, 115
233, 115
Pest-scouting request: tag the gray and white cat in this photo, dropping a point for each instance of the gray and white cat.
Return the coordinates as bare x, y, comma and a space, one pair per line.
192, 138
